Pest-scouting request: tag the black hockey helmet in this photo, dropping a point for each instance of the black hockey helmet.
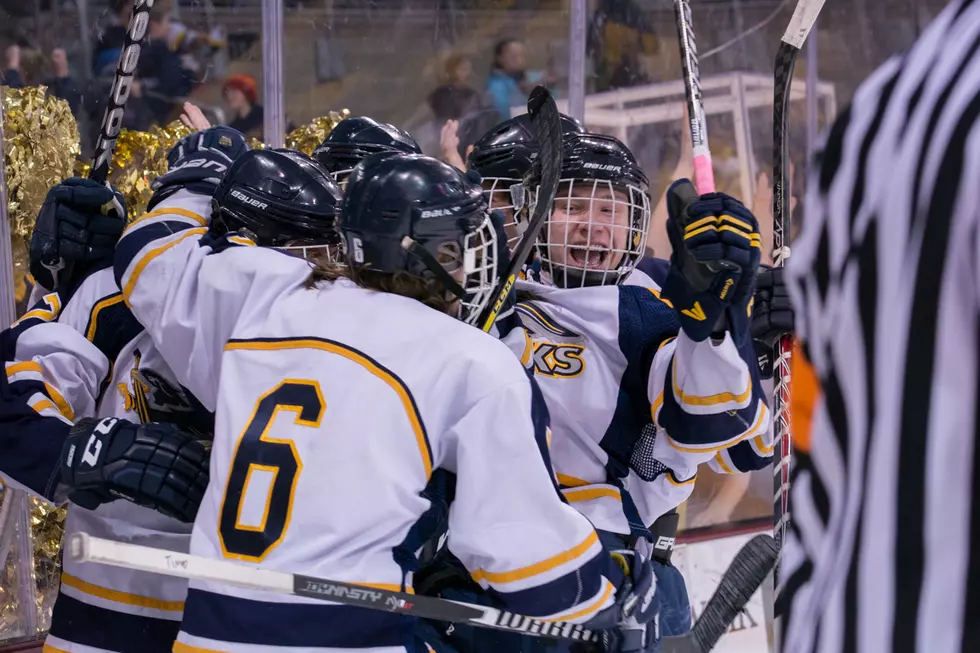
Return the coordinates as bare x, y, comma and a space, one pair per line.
412, 213
508, 149
279, 198
357, 137
598, 227
503, 156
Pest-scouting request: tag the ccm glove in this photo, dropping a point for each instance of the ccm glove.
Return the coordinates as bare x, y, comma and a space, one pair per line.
198, 162
716, 250
76, 230
153, 465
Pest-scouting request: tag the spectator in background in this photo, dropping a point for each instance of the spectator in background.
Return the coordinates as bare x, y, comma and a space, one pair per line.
166, 83
11, 71
241, 96
510, 81
454, 97
62, 85
111, 38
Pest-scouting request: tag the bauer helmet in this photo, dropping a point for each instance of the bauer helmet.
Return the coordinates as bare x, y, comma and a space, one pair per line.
503, 156
598, 225
415, 214
358, 137
278, 198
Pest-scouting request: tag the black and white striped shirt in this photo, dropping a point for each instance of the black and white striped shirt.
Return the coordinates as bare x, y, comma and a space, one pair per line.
884, 549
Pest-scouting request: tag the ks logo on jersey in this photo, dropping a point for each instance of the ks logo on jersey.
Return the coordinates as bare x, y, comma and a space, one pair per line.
558, 360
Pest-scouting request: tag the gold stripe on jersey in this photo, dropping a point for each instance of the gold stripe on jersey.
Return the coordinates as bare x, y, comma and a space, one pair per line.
590, 609
350, 354
51, 649
152, 254
571, 481
538, 567
93, 320
754, 430
120, 597
173, 210
528, 348
587, 494
53, 302
720, 459
709, 400
30, 366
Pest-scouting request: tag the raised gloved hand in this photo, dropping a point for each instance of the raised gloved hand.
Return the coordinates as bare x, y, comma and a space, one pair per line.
631, 624
199, 161
76, 229
716, 250
153, 465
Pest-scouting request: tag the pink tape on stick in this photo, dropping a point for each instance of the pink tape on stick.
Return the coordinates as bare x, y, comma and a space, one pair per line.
704, 176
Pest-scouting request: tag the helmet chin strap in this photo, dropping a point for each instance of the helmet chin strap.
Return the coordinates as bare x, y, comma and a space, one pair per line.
431, 264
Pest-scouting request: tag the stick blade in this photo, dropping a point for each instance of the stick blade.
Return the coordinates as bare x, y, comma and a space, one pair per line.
744, 576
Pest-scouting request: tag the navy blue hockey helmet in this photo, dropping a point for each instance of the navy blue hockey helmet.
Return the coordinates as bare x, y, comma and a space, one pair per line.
357, 137
278, 198
598, 226
503, 156
412, 213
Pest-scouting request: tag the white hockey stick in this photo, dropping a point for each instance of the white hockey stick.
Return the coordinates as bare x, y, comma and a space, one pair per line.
743, 577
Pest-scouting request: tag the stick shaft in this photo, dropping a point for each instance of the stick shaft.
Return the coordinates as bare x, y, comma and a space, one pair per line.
704, 177
122, 84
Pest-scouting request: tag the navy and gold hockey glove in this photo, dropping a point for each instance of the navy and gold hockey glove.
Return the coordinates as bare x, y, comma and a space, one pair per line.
76, 230
153, 465
632, 623
198, 162
716, 250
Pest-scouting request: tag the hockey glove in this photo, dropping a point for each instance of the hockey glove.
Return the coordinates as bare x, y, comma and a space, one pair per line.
198, 162
716, 249
772, 316
76, 229
152, 465
632, 624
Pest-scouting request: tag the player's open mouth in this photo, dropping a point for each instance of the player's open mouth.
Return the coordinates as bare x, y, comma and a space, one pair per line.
590, 258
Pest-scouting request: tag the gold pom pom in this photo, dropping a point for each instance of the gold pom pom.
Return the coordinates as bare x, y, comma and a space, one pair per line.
40, 145
309, 136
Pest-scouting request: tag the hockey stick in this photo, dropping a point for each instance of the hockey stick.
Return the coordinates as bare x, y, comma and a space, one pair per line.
704, 176
547, 130
122, 84
800, 24
744, 575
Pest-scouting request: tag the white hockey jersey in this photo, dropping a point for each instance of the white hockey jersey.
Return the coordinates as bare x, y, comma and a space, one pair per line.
636, 405
87, 356
335, 406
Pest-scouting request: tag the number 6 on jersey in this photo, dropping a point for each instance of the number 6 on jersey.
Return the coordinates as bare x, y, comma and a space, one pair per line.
262, 460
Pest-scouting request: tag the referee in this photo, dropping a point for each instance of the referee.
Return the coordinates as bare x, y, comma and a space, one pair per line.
884, 550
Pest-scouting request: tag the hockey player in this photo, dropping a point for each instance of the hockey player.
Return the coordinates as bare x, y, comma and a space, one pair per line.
374, 414
82, 354
357, 137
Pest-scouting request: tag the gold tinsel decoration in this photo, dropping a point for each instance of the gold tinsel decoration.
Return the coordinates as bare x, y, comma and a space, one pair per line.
308, 137
40, 146
138, 159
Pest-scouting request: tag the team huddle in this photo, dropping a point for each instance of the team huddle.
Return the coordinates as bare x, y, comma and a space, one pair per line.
278, 364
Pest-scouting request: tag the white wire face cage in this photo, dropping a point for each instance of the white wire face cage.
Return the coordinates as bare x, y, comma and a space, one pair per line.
329, 253
500, 197
595, 234
340, 177
479, 270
